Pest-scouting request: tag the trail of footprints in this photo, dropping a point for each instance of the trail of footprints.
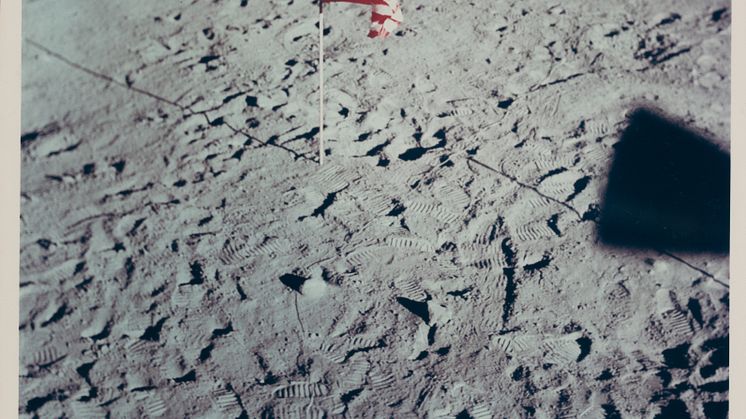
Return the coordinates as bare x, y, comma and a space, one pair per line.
154, 406
338, 353
237, 252
377, 204
411, 243
556, 350
333, 178
354, 373
481, 411
483, 252
481, 257
300, 390
673, 319
88, 410
434, 210
45, 356
533, 232
300, 412
410, 287
471, 108
363, 256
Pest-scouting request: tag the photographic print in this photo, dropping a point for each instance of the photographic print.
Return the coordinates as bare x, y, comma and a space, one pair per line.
375, 209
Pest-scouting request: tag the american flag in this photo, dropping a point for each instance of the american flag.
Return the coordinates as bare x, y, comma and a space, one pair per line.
385, 18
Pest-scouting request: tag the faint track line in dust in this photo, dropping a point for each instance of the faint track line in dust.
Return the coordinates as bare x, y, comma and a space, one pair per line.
280, 146
102, 76
700, 270
188, 111
523, 185
554, 82
580, 217
297, 313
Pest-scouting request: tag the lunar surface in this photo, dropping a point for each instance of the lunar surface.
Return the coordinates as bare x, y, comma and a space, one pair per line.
184, 255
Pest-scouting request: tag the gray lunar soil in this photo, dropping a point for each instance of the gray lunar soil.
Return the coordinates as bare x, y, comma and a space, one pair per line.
184, 255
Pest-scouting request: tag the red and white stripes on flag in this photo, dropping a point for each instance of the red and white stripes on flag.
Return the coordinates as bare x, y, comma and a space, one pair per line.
385, 18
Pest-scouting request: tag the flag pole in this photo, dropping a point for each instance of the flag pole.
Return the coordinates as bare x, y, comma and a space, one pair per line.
321, 82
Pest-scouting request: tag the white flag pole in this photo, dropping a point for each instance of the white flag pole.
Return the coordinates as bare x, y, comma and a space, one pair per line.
321, 82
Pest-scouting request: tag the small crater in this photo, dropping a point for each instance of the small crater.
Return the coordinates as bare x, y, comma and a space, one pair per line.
413, 154
415, 307
696, 309
675, 409
718, 14
398, 209
350, 395
197, 272
551, 173
716, 387
328, 201
677, 357
377, 149
552, 224
37, 402
505, 104
579, 186
670, 19
519, 373
720, 356
461, 293
208, 58
188, 377
89, 168
585, 348
611, 411
222, 332
238, 154
593, 213
153, 333
605, 375
716, 410
119, 166
543, 263
205, 353
293, 281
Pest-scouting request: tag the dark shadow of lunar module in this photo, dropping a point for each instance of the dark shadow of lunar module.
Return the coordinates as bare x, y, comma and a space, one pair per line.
669, 187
